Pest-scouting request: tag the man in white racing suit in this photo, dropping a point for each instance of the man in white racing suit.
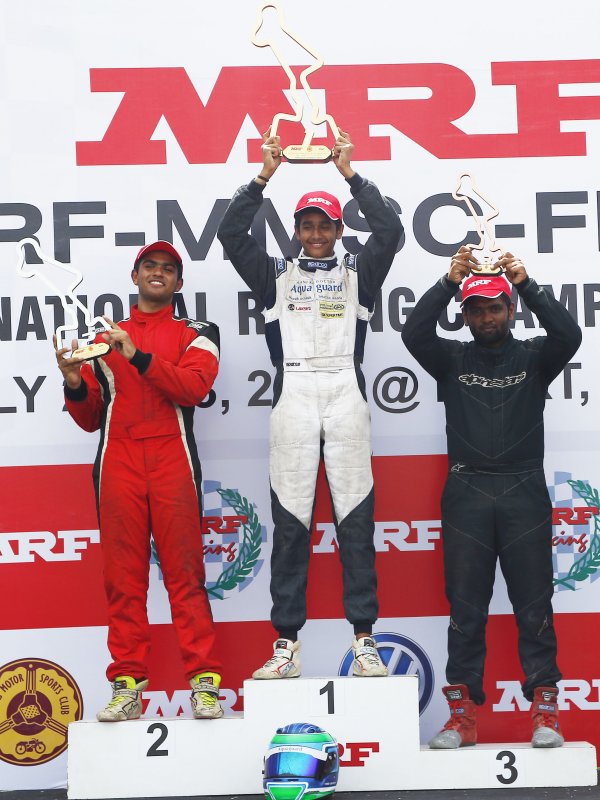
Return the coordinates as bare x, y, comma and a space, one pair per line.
316, 312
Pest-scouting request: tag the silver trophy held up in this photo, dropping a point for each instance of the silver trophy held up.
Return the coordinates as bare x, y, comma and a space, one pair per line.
487, 245
62, 279
304, 153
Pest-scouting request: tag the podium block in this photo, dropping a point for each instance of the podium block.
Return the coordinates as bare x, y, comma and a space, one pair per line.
375, 720
486, 766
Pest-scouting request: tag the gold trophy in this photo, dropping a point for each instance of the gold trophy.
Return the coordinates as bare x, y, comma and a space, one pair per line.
463, 192
305, 153
63, 279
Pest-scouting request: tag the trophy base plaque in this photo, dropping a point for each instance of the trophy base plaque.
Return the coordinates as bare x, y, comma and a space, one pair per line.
487, 267
307, 154
91, 351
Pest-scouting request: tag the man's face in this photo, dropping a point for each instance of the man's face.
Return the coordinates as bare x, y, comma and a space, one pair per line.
318, 234
488, 318
157, 277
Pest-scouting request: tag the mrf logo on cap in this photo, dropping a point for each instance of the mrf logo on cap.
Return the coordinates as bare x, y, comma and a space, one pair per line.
322, 201
494, 286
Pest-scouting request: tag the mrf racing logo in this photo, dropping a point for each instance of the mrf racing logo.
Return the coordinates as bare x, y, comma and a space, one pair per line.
232, 538
416, 535
38, 699
402, 656
576, 532
24, 547
150, 94
574, 694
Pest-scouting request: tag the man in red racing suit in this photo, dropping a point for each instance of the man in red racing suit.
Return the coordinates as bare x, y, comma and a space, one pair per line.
147, 478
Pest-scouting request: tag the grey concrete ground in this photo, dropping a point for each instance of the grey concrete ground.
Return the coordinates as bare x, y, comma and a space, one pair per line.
575, 793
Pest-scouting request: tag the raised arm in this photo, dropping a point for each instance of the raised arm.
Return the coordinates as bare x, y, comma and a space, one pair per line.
249, 259
563, 334
375, 259
419, 333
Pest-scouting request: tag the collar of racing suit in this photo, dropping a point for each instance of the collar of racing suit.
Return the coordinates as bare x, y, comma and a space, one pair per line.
151, 316
494, 353
313, 264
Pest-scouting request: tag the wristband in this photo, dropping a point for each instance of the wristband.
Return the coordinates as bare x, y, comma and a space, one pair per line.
266, 180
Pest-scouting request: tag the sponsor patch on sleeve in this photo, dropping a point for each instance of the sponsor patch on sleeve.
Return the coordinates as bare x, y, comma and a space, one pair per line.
351, 261
196, 324
280, 266
206, 332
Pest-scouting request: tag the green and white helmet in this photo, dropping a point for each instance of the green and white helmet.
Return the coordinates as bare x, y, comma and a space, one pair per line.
302, 763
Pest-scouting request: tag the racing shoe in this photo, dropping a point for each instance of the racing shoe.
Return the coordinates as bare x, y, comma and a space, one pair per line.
205, 696
285, 662
126, 700
460, 730
544, 716
367, 661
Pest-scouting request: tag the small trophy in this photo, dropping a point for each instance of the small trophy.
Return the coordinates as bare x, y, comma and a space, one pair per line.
305, 153
71, 278
487, 240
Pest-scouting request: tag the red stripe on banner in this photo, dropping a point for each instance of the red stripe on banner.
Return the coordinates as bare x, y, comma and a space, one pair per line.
48, 549
49, 552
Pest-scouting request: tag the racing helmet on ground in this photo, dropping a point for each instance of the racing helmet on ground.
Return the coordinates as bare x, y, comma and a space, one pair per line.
302, 763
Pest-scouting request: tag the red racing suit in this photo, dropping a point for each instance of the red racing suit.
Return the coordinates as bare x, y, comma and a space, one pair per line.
147, 479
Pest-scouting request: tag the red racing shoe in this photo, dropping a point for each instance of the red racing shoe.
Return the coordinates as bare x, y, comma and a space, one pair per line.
544, 716
461, 728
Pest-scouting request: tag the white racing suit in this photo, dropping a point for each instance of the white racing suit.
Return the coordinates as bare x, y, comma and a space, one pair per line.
316, 314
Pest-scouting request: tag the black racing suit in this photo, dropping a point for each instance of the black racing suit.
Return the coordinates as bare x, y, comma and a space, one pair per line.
495, 502
316, 314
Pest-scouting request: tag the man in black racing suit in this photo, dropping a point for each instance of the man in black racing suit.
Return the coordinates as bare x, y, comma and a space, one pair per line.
495, 502
316, 311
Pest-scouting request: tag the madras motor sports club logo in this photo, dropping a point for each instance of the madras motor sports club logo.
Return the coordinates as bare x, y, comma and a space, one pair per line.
232, 536
38, 700
402, 656
576, 532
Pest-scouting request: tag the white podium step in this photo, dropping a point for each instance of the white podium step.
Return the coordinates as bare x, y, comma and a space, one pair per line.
488, 766
376, 720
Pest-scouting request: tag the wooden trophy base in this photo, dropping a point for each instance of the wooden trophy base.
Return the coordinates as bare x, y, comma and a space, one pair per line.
487, 267
307, 154
91, 351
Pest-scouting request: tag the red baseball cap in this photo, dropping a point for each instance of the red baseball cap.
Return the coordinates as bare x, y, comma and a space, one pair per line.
165, 247
323, 201
485, 286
